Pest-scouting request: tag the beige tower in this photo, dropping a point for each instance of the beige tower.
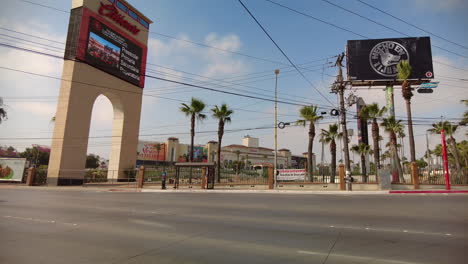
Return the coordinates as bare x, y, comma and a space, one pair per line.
105, 55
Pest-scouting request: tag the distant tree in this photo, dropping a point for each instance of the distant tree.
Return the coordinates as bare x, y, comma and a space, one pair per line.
223, 114
92, 161
421, 163
36, 156
330, 136
372, 112
362, 149
8, 152
392, 126
465, 114
3, 113
194, 111
309, 114
449, 131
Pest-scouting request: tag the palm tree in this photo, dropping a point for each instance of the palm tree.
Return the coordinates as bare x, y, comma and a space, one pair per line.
464, 120
223, 114
362, 149
3, 113
392, 126
404, 72
329, 136
194, 111
449, 131
373, 111
309, 114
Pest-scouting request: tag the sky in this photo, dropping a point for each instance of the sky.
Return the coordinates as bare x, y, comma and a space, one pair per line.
32, 100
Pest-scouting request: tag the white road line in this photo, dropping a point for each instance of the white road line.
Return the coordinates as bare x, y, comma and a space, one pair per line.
356, 258
37, 220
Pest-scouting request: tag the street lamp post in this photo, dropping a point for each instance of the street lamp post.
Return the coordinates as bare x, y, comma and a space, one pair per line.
276, 130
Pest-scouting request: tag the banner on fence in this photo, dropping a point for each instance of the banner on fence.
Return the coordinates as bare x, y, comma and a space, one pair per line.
291, 175
11, 169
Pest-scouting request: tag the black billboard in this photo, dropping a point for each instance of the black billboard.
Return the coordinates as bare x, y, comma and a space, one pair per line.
113, 53
377, 59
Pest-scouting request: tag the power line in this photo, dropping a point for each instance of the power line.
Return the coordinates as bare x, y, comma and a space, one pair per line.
239, 84
315, 18
387, 27
284, 54
45, 6
410, 24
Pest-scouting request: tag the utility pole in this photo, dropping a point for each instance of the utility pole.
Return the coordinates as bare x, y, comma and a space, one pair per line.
339, 87
275, 171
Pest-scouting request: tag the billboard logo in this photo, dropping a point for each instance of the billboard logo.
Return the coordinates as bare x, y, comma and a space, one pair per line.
384, 57
111, 12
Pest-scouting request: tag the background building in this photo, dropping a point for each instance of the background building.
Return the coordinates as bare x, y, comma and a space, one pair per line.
249, 154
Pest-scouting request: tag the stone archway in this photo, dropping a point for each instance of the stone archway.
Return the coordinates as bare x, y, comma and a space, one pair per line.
72, 124
105, 54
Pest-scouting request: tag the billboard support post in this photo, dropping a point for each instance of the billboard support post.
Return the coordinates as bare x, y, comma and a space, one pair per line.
390, 100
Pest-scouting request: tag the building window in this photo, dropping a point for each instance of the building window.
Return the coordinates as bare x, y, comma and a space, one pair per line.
172, 154
122, 6
144, 23
133, 14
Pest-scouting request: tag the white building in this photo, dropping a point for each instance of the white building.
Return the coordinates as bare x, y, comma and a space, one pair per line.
252, 154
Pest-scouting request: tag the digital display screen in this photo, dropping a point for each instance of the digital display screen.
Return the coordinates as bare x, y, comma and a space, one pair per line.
113, 53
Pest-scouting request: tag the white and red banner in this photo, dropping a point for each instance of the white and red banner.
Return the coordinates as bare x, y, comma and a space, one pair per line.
291, 175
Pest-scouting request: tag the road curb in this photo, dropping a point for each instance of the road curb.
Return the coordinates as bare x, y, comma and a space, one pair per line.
430, 191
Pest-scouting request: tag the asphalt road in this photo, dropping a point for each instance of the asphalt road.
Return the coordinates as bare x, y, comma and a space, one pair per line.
39, 226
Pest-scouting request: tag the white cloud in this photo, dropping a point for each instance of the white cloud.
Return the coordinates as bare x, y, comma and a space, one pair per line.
46, 110
208, 62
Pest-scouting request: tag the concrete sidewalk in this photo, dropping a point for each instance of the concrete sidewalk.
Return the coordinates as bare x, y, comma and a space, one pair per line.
187, 190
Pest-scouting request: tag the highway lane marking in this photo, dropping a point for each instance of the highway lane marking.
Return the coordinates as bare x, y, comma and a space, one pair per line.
38, 220
377, 260
368, 228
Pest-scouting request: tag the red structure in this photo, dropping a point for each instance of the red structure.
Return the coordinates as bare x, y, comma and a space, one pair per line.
444, 156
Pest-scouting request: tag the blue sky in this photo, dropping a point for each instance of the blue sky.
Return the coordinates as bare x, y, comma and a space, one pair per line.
224, 24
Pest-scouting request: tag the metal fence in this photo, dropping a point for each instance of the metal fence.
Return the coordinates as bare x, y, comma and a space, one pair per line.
437, 176
193, 176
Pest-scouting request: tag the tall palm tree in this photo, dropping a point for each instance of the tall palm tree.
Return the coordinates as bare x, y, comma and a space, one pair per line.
449, 131
362, 149
223, 114
392, 126
309, 114
373, 111
194, 111
329, 136
404, 72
